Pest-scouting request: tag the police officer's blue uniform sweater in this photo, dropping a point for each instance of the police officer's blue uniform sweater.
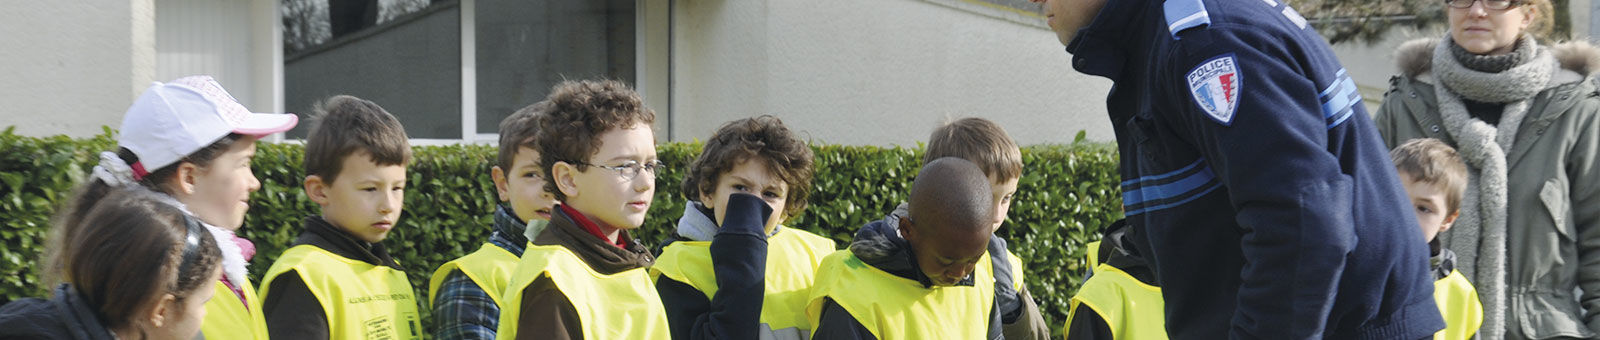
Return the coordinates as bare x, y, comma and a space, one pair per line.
1271, 206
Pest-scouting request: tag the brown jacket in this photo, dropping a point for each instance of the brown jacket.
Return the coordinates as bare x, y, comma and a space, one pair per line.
546, 312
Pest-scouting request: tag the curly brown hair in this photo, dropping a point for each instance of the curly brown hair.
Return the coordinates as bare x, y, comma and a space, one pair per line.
579, 111
763, 138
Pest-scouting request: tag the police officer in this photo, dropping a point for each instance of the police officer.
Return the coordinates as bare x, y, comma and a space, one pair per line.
1269, 203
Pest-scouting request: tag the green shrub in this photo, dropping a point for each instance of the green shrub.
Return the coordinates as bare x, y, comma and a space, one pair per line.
1066, 194
37, 175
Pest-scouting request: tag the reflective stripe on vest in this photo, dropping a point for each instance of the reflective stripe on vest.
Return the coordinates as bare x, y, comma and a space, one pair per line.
1094, 255
1016, 270
1459, 304
490, 268
893, 307
792, 259
229, 318
624, 305
362, 301
1133, 310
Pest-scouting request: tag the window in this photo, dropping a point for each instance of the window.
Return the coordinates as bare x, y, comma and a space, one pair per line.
451, 70
525, 47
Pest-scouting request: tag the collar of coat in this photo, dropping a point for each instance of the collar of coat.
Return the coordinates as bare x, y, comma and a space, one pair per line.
1579, 59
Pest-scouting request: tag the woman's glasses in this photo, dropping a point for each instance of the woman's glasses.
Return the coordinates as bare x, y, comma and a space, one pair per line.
1488, 4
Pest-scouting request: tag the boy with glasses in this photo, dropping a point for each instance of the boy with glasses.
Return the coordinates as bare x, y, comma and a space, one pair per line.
584, 276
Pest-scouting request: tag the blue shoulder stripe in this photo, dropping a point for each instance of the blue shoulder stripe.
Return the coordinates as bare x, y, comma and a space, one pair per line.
1339, 100
1185, 14
1174, 188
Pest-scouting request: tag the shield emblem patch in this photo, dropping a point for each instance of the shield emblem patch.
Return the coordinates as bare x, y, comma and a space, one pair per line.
1215, 87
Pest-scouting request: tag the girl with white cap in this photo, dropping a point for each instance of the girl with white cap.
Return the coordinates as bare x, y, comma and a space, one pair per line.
191, 140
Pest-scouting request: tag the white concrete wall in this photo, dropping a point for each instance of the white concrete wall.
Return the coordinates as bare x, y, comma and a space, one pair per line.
73, 65
874, 72
230, 40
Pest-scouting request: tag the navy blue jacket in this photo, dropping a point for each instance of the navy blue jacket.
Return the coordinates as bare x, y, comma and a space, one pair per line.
1269, 201
739, 260
66, 316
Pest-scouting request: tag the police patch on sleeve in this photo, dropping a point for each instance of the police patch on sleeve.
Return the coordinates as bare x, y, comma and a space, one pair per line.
1215, 87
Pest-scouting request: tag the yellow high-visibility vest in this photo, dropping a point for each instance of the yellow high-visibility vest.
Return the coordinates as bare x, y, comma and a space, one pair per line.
623, 305
361, 300
1132, 309
893, 307
1458, 303
793, 256
229, 318
1094, 255
490, 268
1016, 270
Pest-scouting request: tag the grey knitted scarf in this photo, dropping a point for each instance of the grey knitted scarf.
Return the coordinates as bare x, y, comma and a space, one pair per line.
1494, 63
1479, 236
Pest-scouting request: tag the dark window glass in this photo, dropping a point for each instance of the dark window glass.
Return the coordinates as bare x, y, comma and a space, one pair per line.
525, 47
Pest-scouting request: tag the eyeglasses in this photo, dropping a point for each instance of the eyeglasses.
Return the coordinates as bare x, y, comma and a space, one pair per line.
1487, 4
631, 169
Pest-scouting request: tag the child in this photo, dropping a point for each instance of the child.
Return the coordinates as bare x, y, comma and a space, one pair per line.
337, 281
1435, 178
136, 266
584, 276
1120, 299
190, 140
984, 143
729, 272
466, 292
918, 276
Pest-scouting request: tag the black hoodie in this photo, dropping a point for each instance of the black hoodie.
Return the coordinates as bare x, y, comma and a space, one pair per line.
66, 316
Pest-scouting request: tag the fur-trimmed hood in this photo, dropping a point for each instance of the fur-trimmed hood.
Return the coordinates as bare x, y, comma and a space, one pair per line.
1415, 57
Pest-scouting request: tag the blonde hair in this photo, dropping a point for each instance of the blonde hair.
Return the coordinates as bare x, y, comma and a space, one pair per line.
1430, 161
1543, 20
979, 141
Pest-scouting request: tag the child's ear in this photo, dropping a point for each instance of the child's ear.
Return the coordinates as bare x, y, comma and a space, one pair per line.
708, 201
162, 310
316, 189
499, 176
907, 230
183, 179
565, 177
1449, 221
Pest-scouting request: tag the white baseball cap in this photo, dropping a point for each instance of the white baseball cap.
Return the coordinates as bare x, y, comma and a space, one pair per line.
172, 120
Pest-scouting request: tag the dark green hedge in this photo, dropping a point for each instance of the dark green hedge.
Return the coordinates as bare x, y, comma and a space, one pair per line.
1066, 194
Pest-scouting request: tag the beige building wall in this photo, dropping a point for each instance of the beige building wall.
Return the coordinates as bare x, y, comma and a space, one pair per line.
74, 65
234, 41
880, 72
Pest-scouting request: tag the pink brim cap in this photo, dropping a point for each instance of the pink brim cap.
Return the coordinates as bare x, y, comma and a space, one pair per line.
261, 124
